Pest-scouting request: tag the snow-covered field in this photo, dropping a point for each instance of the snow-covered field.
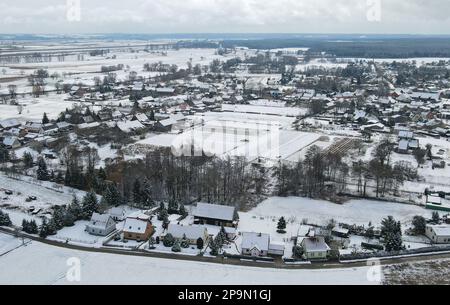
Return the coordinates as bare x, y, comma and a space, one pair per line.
37, 263
359, 212
48, 194
273, 144
34, 108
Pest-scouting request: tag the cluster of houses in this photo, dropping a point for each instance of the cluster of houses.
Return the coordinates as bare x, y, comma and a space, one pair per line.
206, 219
14, 134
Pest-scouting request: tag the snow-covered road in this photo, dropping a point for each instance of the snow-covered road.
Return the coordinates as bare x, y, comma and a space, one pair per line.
38, 263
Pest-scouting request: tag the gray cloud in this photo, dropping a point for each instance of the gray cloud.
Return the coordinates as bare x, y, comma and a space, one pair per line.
160, 16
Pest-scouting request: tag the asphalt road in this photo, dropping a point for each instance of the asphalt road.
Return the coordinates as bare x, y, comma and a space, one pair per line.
231, 261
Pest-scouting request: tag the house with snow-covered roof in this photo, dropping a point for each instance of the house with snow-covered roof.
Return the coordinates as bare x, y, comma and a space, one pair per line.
101, 225
315, 248
259, 245
11, 142
191, 233
438, 234
138, 229
10, 123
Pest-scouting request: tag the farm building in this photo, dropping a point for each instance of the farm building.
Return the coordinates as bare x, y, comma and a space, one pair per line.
216, 215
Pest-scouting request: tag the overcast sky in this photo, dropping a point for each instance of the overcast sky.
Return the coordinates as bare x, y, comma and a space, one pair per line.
226, 16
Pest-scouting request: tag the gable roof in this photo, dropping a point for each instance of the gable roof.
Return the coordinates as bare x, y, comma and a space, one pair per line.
100, 221
214, 211
191, 232
135, 225
251, 240
10, 123
315, 244
9, 141
441, 230
168, 122
129, 126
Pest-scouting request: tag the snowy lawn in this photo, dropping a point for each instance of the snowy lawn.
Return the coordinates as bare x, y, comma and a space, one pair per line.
78, 235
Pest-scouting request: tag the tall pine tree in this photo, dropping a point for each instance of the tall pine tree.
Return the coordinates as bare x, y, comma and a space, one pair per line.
42, 171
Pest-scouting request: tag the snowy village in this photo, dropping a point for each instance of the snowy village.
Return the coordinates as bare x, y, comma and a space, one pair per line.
275, 154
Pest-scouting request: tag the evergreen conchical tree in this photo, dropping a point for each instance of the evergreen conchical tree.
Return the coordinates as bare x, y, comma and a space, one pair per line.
42, 171
89, 205
45, 119
112, 195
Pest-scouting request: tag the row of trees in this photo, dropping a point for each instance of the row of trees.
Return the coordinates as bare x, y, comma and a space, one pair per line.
308, 177
165, 177
388, 176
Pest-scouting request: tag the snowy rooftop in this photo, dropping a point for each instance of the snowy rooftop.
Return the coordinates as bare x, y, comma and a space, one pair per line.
134, 225
214, 211
251, 240
191, 232
315, 244
441, 230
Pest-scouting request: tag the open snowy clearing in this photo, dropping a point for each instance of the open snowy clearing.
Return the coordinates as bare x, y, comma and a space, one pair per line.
48, 194
37, 263
228, 140
359, 212
34, 108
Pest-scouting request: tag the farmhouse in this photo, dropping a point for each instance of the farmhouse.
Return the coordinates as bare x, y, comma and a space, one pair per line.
101, 225
315, 248
137, 229
191, 233
438, 234
213, 214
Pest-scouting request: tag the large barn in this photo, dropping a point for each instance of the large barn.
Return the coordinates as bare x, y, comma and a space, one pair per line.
216, 215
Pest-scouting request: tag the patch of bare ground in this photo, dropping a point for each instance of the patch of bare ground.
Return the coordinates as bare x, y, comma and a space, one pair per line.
420, 273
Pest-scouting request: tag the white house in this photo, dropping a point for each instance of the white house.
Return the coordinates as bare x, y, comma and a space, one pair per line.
259, 245
255, 244
101, 225
315, 248
439, 234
